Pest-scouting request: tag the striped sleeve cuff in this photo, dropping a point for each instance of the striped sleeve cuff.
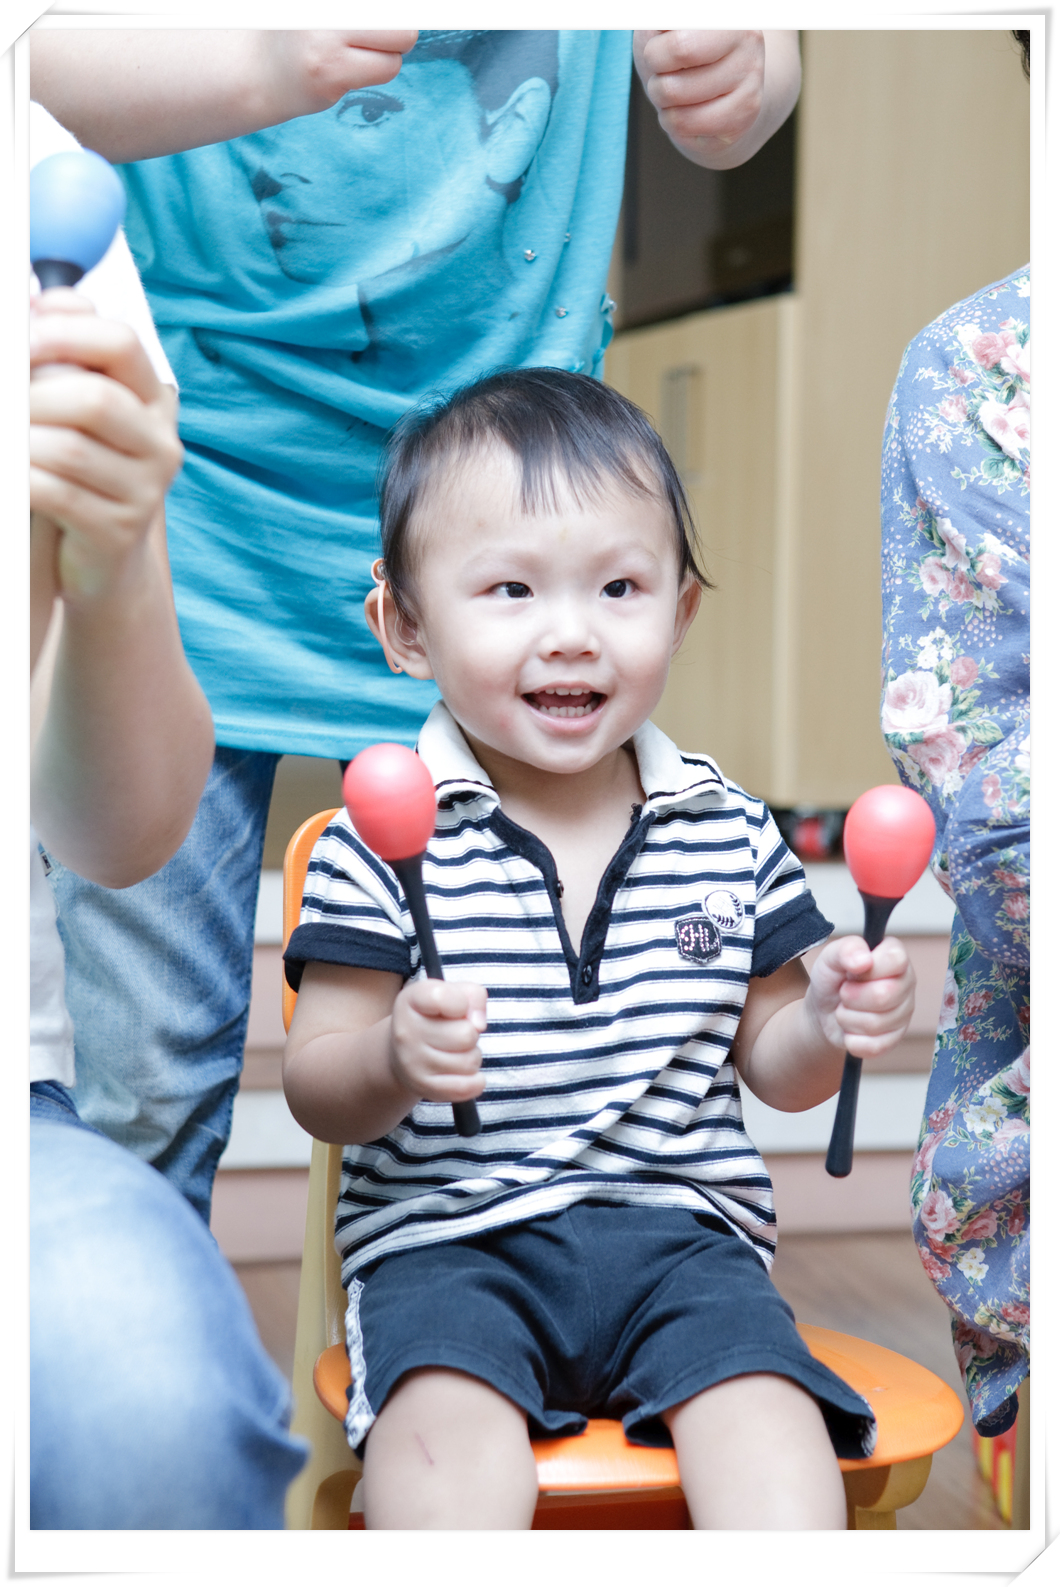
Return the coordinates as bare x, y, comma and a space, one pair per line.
788, 931
363, 950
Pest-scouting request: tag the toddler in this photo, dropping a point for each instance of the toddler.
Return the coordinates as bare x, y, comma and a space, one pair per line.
623, 928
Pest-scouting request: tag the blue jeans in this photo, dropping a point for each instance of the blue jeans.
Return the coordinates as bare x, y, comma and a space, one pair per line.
152, 1402
158, 983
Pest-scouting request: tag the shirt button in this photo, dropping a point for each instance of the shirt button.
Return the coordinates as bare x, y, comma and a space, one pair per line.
587, 975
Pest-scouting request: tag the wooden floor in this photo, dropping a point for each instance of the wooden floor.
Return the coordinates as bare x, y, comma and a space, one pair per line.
866, 1284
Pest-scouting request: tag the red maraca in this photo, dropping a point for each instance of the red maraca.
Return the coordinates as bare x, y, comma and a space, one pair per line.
887, 841
390, 798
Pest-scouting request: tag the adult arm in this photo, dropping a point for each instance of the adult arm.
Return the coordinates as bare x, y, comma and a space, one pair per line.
135, 93
720, 95
125, 738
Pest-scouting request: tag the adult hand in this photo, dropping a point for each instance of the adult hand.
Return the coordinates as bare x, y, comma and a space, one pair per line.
720, 94
103, 443
306, 70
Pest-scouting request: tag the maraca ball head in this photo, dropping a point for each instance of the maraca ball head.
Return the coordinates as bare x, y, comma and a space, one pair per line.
76, 204
887, 840
390, 797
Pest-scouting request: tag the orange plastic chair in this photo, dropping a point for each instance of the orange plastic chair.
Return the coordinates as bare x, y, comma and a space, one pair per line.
596, 1481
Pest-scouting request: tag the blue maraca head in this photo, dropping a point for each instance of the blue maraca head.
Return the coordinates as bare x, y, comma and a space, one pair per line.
76, 204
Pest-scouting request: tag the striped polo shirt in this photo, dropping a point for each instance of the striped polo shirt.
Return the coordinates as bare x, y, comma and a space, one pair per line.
607, 1068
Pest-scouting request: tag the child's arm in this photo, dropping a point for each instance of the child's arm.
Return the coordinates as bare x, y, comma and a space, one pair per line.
795, 1029
132, 93
125, 738
363, 1049
720, 95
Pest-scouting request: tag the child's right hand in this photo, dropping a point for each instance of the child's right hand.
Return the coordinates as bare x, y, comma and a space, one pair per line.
434, 1032
103, 444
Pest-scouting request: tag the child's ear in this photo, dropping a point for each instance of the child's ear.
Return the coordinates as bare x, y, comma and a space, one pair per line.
398, 636
687, 607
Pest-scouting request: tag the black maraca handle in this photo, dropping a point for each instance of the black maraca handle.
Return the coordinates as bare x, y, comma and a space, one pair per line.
841, 1146
410, 875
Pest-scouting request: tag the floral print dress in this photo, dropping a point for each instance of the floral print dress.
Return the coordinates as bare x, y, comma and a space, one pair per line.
956, 717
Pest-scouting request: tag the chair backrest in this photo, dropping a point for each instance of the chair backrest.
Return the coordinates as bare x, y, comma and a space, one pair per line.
321, 1278
295, 865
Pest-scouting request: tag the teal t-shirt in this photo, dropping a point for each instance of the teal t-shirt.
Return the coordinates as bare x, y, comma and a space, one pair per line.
311, 283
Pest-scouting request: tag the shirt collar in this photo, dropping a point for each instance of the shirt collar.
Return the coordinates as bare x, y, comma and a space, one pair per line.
667, 777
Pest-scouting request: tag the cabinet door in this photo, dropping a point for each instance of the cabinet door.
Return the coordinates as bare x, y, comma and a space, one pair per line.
714, 386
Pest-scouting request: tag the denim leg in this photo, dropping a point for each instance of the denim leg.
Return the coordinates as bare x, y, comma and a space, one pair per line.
158, 983
152, 1402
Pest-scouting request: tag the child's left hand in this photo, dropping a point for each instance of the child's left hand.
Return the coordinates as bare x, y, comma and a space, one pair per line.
862, 1001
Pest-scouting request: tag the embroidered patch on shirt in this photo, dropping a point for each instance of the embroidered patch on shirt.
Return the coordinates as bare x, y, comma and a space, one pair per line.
698, 938
724, 908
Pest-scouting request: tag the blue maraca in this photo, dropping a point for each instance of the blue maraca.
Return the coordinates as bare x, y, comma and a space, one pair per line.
76, 204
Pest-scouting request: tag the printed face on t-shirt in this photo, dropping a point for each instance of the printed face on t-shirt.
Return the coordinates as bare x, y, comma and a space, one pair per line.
411, 169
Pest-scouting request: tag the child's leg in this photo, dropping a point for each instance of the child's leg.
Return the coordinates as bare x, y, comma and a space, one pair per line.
755, 1455
448, 1451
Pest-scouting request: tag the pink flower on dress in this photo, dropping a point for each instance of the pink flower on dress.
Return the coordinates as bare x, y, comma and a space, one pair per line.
963, 672
1015, 1311
975, 1002
938, 755
934, 576
938, 1214
961, 587
941, 1117
1018, 1077
966, 1033
1009, 878
988, 349
961, 376
954, 409
936, 1270
1017, 906
982, 1227
948, 1013
1017, 359
991, 789
916, 703
956, 545
1007, 424
1007, 1134
1016, 1222
989, 572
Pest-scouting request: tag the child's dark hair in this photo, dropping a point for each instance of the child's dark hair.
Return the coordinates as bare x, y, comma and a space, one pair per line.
557, 425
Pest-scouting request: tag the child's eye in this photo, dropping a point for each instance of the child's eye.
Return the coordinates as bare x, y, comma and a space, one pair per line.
515, 591
617, 588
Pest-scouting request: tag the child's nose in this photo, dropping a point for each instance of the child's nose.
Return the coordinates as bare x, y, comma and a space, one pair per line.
570, 631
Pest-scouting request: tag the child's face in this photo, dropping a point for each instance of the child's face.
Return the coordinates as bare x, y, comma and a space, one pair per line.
550, 636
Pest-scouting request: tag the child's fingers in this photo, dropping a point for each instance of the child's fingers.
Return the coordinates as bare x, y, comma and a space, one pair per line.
445, 1000
452, 1086
105, 346
101, 407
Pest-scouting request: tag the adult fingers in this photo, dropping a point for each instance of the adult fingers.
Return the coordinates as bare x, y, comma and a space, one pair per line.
102, 346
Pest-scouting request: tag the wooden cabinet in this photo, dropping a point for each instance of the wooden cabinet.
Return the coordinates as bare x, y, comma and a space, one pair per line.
912, 191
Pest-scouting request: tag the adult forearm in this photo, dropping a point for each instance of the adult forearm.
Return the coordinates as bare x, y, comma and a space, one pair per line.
127, 741
341, 1087
134, 93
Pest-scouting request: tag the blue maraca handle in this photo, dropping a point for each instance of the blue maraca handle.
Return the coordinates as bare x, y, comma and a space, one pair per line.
76, 204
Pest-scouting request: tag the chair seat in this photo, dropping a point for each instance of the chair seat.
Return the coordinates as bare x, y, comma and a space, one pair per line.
916, 1413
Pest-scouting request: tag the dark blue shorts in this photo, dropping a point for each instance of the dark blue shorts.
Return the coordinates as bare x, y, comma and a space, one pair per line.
599, 1310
